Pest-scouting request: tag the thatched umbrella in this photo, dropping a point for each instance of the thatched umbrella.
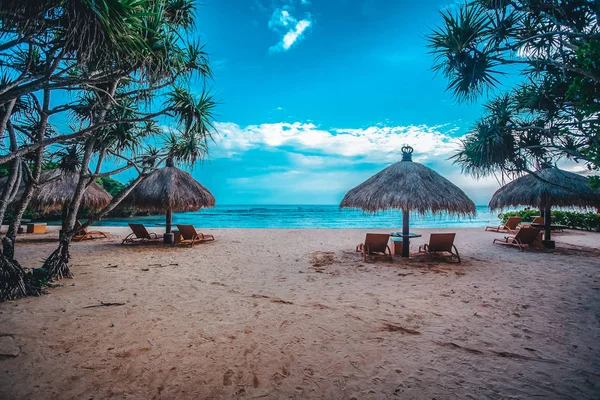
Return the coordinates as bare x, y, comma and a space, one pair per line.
57, 188
167, 190
408, 186
549, 187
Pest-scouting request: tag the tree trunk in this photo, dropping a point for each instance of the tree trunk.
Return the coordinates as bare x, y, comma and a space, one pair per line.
13, 176
57, 265
14, 281
10, 188
8, 243
5, 117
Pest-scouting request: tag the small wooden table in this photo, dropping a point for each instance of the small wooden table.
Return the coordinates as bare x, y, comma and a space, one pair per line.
176, 236
553, 227
396, 246
396, 242
34, 227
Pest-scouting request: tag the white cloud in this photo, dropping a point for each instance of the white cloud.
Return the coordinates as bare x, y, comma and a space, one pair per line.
327, 162
290, 38
284, 23
281, 18
373, 144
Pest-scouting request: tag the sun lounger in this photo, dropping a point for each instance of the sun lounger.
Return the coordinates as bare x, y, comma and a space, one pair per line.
141, 234
191, 236
375, 245
526, 236
441, 243
85, 234
511, 226
538, 220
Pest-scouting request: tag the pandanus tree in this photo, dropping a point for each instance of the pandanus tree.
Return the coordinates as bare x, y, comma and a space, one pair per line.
189, 116
554, 112
128, 65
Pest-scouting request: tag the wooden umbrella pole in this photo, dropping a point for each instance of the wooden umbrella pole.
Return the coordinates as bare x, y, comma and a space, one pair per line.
405, 234
548, 243
169, 237
169, 220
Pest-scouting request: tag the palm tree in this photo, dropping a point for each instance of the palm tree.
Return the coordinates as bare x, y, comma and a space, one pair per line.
168, 63
119, 55
553, 112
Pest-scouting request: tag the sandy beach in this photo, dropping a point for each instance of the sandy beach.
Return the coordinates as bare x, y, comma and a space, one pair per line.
279, 314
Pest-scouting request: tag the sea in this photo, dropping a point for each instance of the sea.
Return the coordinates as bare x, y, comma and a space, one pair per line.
307, 216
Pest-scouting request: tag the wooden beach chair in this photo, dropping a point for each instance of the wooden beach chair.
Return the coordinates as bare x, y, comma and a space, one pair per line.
140, 234
191, 236
526, 236
85, 234
538, 220
511, 225
375, 245
441, 243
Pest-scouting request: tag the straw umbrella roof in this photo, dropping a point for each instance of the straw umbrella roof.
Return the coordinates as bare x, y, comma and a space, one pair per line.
169, 188
407, 185
552, 187
58, 187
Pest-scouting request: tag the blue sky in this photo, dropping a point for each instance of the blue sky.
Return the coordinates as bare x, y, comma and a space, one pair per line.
316, 96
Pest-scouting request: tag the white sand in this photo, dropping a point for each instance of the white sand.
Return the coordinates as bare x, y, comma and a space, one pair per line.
248, 316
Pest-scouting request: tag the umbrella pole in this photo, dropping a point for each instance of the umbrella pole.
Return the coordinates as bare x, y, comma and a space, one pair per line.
168, 239
405, 234
548, 242
169, 220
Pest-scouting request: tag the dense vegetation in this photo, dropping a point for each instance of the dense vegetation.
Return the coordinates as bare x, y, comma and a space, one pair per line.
112, 186
589, 221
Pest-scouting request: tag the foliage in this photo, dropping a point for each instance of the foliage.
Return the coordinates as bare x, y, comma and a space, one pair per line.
111, 185
527, 215
47, 166
141, 48
589, 221
553, 112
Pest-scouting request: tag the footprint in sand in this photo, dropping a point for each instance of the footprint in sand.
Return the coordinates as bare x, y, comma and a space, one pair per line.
227, 377
255, 381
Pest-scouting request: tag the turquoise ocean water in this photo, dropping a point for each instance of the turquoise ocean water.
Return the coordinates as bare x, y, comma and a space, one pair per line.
306, 216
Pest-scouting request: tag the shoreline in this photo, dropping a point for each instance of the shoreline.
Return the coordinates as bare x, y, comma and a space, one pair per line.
300, 217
